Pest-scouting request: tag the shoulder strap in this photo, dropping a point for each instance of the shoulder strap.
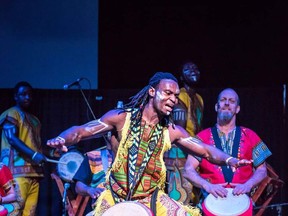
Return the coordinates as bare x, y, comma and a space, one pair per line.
227, 171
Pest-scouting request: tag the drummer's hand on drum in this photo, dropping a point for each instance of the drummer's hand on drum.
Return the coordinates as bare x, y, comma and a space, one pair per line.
241, 188
216, 189
57, 142
94, 193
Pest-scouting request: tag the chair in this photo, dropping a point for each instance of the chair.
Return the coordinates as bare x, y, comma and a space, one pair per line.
75, 205
263, 194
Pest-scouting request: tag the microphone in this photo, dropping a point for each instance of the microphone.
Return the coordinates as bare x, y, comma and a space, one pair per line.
120, 104
67, 86
66, 186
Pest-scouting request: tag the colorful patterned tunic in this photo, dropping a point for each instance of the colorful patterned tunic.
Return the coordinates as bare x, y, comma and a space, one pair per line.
179, 188
152, 178
6, 182
250, 147
29, 132
26, 173
185, 98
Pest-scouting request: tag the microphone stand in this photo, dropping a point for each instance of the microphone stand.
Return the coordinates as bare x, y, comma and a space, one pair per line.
86, 101
64, 200
89, 107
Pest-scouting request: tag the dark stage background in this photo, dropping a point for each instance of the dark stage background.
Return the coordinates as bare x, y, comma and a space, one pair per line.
241, 43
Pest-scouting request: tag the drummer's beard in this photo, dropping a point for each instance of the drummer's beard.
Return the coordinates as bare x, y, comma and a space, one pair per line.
224, 117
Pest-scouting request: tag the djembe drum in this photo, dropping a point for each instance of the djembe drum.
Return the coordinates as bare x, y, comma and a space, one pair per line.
231, 205
130, 208
69, 164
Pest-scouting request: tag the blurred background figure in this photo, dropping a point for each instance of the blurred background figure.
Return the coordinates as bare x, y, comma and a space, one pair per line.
90, 177
21, 148
188, 113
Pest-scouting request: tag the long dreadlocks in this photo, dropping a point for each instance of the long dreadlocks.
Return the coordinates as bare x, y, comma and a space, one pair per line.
142, 97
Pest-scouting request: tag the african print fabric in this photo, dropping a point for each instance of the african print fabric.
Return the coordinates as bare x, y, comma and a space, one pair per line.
179, 188
29, 132
153, 177
6, 182
250, 147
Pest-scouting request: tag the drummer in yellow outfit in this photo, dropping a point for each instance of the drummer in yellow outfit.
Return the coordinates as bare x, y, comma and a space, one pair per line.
188, 113
145, 132
21, 147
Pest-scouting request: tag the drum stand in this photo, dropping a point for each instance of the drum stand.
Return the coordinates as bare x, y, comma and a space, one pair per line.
266, 190
64, 200
277, 206
73, 206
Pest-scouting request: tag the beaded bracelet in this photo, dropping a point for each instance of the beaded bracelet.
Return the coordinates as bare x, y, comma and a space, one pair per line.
60, 138
227, 161
34, 155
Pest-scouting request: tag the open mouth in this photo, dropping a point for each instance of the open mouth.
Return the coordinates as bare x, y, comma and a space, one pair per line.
169, 108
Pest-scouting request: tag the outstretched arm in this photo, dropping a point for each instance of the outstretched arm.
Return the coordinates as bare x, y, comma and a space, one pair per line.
75, 134
92, 129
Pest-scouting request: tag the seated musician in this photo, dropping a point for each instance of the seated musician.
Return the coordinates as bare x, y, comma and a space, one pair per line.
8, 192
90, 176
239, 142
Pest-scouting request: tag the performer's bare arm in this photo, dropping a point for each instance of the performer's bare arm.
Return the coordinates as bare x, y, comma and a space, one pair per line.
86, 190
259, 174
110, 121
191, 174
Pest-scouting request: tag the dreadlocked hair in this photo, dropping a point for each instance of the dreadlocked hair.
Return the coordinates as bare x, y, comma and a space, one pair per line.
139, 100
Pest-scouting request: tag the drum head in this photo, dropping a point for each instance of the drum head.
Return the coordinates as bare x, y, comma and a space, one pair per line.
228, 206
128, 208
71, 163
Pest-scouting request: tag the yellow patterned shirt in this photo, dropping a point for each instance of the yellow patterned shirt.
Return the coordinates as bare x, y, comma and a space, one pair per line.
28, 130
